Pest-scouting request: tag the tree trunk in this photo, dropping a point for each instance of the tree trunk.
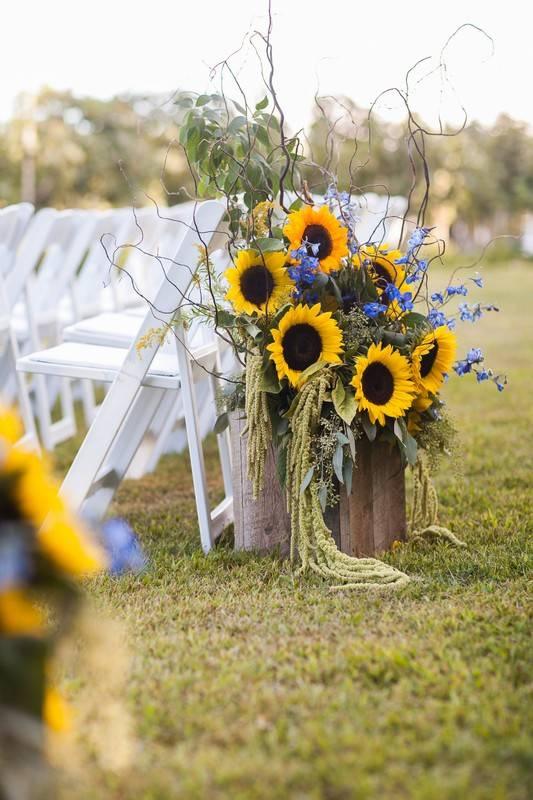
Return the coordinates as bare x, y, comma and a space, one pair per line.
262, 525
365, 523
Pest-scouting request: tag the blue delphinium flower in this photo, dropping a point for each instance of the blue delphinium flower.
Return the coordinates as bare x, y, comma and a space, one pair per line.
405, 301
474, 355
417, 238
450, 322
419, 272
437, 297
304, 273
374, 309
478, 280
123, 548
436, 318
482, 375
451, 290
392, 292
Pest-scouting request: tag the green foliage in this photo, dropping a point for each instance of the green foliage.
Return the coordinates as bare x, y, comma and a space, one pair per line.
235, 150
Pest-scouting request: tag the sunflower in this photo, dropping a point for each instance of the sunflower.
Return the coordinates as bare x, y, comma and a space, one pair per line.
259, 282
318, 226
383, 383
304, 336
433, 358
382, 266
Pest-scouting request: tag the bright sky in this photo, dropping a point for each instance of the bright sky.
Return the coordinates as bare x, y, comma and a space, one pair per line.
102, 47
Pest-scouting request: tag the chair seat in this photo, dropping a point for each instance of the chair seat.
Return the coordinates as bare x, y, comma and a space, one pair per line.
99, 363
113, 329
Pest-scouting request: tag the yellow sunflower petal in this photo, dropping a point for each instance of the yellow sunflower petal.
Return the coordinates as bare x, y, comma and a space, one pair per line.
433, 358
18, 615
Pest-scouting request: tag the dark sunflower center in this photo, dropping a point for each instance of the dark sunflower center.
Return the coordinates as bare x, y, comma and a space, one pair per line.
378, 383
428, 359
384, 276
302, 346
317, 234
257, 284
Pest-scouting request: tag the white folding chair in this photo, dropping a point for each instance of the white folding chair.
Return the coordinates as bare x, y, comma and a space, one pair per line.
119, 328
13, 222
140, 382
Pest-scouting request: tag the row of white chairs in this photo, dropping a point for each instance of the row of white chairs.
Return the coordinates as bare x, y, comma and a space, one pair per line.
151, 390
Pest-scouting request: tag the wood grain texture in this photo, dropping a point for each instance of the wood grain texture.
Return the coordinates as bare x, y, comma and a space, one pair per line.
261, 525
365, 523
373, 516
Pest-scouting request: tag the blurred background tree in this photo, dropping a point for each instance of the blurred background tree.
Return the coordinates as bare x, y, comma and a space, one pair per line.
69, 151
90, 152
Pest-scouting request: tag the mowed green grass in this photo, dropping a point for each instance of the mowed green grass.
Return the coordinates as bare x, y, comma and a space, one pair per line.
245, 684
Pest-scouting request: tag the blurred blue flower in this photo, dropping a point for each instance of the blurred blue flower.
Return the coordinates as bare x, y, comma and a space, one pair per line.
122, 546
417, 238
437, 297
374, 309
419, 272
436, 318
14, 558
482, 375
451, 290
478, 280
405, 301
474, 355
392, 292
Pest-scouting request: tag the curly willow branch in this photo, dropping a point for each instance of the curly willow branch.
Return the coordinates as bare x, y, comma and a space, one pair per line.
310, 536
425, 510
258, 424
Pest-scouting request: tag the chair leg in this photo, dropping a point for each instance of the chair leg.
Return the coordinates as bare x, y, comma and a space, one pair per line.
195, 446
151, 447
223, 439
119, 457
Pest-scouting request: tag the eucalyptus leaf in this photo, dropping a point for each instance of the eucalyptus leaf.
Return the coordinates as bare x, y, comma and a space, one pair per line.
338, 458
221, 423
414, 320
411, 449
341, 438
307, 479
252, 330
369, 428
323, 497
351, 442
344, 402
347, 471
398, 431
268, 244
262, 104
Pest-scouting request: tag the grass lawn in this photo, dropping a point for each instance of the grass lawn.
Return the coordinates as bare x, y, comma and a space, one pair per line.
245, 684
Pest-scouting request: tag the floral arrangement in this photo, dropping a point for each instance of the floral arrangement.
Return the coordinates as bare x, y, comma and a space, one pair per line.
44, 552
342, 341
339, 335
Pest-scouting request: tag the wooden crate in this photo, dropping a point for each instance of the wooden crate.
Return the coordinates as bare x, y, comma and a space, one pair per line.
365, 523
368, 520
262, 525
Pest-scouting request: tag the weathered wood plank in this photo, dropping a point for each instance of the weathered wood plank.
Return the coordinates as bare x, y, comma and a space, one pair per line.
365, 523
262, 525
